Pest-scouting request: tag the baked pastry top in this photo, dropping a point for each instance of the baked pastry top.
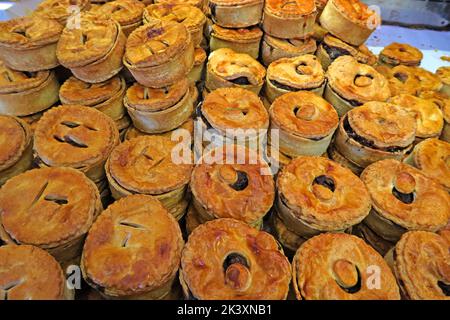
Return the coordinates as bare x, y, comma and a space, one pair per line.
302, 72
444, 74
92, 41
232, 108
233, 66
422, 265
144, 165
402, 79
233, 189
289, 9
357, 82
125, 12
29, 32
404, 195
438, 98
428, 116
75, 91
382, 125
60, 10
237, 35
401, 53
432, 156
134, 246
427, 79
322, 193
74, 136
13, 81
47, 207
155, 43
354, 10
192, 17
29, 273
15, 137
305, 114
225, 259
335, 48
151, 99
337, 266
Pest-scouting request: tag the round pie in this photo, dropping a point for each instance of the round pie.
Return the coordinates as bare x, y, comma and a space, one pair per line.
29, 43
318, 195
403, 199
306, 123
432, 157
52, 208
61, 10
226, 259
427, 80
402, 79
289, 19
226, 68
236, 13
400, 54
133, 250
444, 75
275, 48
429, 118
15, 147
294, 74
195, 75
240, 40
192, 17
351, 21
352, 84
77, 137
375, 131
421, 264
93, 51
26, 93
159, 53
232, 182
341, 267
106, 96
29, 273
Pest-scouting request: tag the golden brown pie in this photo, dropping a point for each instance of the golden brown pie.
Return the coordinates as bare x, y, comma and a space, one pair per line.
375, 131
226, 259
159, 110
159, 54
318, 195
232, 182
192, 17
106, 96
275, 48
15, 147
427, 80
349, 20
289, 19
444, 75
29, 43
52, 208
429, 117
146, 165
195, 75
432, 157
26, 93
226, 68
201, 4
442, 100
339, 267
243, 40
306, 123
128, 13
332, 48
421, 264
236, 13
351, 84
93, 52
61, 10
402, 79
133, 250
75, 136
400, 54
294, 74
403, 199
133, 132
30, 273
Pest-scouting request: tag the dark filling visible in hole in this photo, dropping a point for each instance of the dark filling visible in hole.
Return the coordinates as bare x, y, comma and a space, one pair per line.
325, 181
283, 86
70, 124
402, 77
56, 199
334, 52
444, 287
71, 141
356, 287
241, 182
240, 81
84, 38
125, 240
21, 32
403, 197
131, 225
233, 258
362, 76
212, 6
29, 74
365, 142
298, 71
